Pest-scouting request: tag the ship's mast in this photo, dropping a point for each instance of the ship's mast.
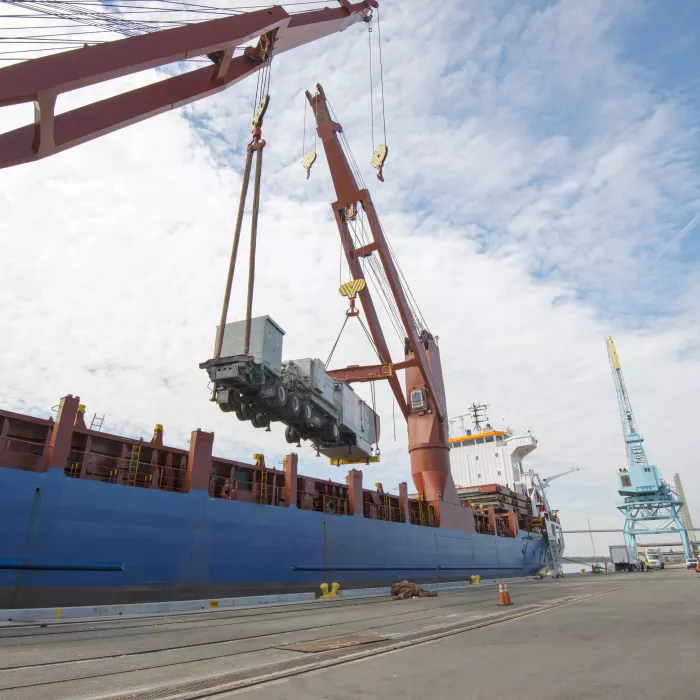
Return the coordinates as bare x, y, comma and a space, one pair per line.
479, 417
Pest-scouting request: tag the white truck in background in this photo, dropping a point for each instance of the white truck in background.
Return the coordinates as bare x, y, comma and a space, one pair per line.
625, 558
653, 555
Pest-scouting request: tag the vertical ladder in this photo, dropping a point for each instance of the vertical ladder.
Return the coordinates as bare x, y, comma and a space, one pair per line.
97, 422
263, 486
134, 462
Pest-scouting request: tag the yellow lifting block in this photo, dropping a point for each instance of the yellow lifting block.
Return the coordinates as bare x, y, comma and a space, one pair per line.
335, 587
373, 459
353, 288
158, 428
475, 580
81, 408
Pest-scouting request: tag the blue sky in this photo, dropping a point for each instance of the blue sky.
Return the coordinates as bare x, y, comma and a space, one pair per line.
543, 164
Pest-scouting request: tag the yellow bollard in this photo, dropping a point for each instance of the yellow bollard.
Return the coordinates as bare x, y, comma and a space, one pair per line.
213, 603
58, 613
475, 580
583, 571
334, 590
543, 574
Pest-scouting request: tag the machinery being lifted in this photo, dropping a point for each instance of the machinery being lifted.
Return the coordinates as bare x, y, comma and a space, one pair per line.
647, 497
259, 387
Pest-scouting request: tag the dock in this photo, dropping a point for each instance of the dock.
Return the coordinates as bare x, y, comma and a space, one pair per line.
566, 638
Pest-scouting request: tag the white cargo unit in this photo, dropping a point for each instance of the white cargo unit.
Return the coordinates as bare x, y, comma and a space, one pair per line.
624, 558
314, 371
265, 342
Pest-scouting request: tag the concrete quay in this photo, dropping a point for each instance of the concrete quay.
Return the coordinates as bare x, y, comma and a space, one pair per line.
592, 636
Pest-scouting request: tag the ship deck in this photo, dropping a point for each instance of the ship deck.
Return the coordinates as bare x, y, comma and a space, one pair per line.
568, 638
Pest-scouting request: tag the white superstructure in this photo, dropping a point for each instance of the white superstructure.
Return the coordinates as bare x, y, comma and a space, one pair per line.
487, 457
492, 457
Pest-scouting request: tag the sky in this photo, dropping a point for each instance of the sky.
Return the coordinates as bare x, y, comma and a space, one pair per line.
542, 191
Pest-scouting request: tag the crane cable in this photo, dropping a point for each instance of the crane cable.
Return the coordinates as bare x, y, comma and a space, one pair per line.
379, 154
256, 145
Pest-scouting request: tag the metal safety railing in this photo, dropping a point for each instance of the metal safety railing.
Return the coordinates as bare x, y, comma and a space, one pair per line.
332, 505
18, 453
382, 512
257, 491
424, 514
93, 466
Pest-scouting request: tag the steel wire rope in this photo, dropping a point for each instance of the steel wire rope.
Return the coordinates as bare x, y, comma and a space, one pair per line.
416, 313
381, 72
381, 286
380, 272
371, 86
111, 21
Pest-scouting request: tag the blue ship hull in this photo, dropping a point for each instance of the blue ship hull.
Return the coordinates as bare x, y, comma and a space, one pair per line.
77, 542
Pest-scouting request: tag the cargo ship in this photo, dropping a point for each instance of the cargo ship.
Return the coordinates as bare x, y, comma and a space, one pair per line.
90, 517
95, 518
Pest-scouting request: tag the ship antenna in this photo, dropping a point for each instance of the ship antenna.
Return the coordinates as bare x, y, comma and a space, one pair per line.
478, 414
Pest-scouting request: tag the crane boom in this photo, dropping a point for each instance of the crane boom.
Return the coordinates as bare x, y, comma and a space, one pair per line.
549, 479
424, 406
636, 455
41, 80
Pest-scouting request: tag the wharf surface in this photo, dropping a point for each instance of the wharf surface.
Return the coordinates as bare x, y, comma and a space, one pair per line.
590, 636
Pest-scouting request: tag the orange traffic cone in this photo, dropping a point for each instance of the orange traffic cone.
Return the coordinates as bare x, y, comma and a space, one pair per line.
503, 594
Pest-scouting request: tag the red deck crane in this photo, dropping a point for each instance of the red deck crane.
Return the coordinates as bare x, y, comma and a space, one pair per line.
41, 80
424, 405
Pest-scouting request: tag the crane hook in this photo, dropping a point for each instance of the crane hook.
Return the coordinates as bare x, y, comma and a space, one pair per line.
379, 158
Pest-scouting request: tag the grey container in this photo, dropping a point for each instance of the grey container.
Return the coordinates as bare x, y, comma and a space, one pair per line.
265, 342
315, 373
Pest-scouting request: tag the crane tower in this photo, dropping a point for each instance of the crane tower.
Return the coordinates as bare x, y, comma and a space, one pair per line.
647, 497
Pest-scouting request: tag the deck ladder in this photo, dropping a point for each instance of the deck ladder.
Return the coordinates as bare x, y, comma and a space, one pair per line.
134, 462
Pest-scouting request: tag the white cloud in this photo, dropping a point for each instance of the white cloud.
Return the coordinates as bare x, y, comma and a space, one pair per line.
533, 178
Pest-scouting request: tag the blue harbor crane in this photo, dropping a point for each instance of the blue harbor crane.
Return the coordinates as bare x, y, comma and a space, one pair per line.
647, 497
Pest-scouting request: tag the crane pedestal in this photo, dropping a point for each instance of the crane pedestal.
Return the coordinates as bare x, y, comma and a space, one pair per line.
429, 447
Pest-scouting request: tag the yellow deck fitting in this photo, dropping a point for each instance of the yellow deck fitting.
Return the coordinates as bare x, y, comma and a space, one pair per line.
373, 459
334, 590
475, 580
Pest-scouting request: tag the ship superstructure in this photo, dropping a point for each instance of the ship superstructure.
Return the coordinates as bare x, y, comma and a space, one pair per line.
487, 468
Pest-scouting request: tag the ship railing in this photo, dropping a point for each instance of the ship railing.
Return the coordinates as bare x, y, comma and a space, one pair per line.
94, 466
332, 505
382, 512
423, 515
18, 453
230, 489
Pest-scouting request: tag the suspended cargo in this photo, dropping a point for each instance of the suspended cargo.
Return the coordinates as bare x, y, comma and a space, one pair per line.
259, 387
